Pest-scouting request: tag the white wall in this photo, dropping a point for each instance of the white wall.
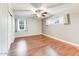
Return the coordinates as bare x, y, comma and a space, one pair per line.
6, 26
3, 29
33, 27
0, 26
65, 32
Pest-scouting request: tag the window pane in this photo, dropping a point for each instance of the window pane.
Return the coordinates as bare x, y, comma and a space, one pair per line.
21, 27
56, 20
21, 22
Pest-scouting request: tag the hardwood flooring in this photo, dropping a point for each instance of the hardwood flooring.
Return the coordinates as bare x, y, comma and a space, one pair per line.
40, 45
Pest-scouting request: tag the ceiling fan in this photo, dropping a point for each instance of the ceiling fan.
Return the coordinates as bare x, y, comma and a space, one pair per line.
40, 10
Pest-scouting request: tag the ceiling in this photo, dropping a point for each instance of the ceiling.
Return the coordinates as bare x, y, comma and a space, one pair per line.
52, 8
27, 6
33, 6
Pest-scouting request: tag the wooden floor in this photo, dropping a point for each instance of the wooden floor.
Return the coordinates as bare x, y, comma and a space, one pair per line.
40, 45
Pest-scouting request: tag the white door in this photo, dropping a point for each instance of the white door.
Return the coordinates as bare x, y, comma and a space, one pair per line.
11, 29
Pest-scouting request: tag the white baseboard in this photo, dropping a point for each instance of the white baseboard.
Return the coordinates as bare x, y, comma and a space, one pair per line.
28, 35
61, 40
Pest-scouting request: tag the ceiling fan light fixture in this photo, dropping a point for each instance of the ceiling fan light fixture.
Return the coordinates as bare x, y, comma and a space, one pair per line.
41, 13
38, 15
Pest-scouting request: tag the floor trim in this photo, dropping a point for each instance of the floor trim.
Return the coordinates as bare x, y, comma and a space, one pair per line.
28, 36
61, 40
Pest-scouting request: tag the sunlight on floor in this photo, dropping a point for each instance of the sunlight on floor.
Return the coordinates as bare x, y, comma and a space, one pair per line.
51, 52
21, 49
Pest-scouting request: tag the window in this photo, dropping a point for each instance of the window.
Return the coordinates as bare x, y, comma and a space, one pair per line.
21, 24
56, 20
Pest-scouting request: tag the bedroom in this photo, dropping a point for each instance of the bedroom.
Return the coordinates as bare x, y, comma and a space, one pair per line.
39, 29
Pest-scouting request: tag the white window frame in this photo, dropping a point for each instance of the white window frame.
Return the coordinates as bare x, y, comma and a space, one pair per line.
55, 20
18, 25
